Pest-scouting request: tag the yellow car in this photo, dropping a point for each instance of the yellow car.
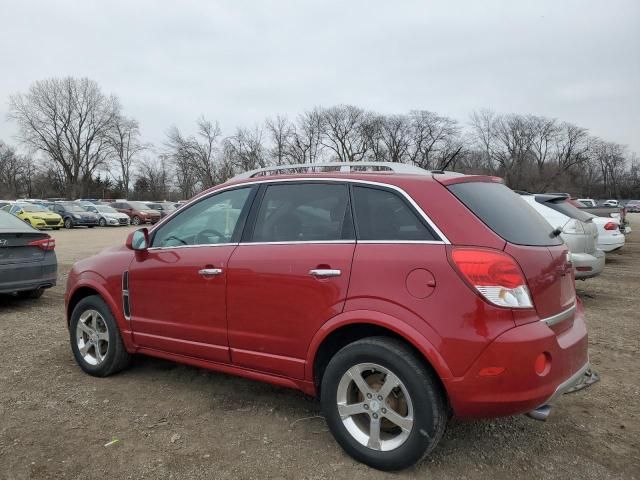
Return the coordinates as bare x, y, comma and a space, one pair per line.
36, 215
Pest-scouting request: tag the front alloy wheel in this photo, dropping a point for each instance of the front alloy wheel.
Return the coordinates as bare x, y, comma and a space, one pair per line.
92, 337
68, 223
95, 338
135, 220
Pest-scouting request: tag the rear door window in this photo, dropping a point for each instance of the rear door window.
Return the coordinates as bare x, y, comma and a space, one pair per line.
504, 212
383, 215
303, 212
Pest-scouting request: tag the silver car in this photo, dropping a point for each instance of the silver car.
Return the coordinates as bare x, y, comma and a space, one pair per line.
576, 229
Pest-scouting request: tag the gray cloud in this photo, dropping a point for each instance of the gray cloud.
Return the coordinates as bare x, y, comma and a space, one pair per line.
238, 62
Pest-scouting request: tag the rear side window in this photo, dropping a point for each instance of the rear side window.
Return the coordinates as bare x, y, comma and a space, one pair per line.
303, 213
564, 207
504, 212
383, 215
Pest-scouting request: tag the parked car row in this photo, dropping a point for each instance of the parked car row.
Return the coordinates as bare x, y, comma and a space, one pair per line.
44, 214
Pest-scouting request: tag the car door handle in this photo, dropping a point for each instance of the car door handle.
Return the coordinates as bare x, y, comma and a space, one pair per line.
324, 272
210, 272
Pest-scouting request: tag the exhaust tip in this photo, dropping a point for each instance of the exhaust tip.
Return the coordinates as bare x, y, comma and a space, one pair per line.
541, 413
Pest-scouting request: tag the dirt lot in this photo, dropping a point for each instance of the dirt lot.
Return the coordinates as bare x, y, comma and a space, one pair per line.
173, 421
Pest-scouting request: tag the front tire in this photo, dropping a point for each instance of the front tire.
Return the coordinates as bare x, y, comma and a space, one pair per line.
68, 223
102, 222
135, 220
381, 403
95, 338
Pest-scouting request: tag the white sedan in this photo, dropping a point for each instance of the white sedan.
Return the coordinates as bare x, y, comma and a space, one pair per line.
108, 216
610, 237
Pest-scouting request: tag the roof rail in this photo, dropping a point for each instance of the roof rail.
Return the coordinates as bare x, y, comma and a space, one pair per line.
335, 166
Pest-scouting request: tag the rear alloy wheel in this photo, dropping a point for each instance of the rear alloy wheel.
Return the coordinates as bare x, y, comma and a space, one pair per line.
68, 223
135, 220
102, 222
95, 338
381, 403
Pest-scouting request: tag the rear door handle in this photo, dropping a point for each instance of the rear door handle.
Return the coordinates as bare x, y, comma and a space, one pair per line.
210, 272
324, 272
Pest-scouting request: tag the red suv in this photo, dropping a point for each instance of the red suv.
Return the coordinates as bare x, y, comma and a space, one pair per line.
398, 296
139, 212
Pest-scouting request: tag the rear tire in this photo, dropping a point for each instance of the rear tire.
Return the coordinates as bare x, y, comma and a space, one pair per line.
417, 403
31, 294
103, 352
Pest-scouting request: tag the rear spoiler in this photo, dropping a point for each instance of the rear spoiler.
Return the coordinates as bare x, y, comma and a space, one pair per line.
452, 180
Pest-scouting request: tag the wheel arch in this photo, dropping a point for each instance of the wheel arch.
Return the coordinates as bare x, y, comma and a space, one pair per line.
353, 326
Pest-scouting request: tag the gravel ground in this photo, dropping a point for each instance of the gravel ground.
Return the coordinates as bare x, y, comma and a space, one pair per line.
173, 421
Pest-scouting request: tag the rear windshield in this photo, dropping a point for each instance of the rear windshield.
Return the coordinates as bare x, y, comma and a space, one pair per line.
504, 212
563, 206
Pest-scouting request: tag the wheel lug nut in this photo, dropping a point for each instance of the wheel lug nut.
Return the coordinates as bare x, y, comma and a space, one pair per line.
368, 395
366, 407
375, 415
379, 397
384, 410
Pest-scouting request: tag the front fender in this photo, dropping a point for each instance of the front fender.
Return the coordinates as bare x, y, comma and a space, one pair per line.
410, 334
96, 282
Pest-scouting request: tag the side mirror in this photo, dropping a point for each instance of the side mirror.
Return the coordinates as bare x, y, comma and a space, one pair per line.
138, 240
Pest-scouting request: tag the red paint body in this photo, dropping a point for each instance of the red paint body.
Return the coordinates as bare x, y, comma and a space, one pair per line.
266, 318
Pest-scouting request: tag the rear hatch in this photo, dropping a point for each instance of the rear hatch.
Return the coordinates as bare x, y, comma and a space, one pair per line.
541, 254
581, 224
15, 237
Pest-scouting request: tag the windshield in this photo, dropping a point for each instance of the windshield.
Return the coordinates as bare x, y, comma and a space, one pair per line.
105, 209
139, 205
72, 207
33, 208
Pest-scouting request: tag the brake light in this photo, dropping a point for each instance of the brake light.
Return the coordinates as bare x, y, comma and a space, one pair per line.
46, 244
493, 274
610, 226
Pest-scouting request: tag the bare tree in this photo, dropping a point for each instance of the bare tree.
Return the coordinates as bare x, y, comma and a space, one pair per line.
67, 119
245, 150
304, 145
200, 152
344, 132
153, 179
435, 139
280, 131
124, 145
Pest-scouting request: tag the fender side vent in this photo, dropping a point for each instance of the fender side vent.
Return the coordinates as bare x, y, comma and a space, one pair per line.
125, 296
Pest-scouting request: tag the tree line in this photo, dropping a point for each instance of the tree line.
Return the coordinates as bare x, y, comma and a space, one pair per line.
80, 144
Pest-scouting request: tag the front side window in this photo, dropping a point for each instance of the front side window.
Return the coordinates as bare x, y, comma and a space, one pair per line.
308, 212
208, 222
382, 215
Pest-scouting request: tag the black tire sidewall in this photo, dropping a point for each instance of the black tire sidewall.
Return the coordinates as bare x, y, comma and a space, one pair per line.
95, 303
102, 222
421, 388
68, 223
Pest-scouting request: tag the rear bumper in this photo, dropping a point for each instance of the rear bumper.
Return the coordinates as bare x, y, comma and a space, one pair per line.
518, 388
587, 265
29, 276
611, 242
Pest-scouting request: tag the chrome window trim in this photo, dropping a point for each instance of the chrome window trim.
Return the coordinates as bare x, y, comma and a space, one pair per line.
353, 181
559, 317
301, 242
173, 247
400, 242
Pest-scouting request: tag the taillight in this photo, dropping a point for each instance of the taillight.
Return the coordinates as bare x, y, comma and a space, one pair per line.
610, 226
495, 275
46, 244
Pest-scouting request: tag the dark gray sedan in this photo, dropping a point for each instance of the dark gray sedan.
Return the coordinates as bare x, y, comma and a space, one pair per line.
28, 263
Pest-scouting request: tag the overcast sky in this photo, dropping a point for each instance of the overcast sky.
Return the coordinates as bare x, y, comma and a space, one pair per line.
239, 61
